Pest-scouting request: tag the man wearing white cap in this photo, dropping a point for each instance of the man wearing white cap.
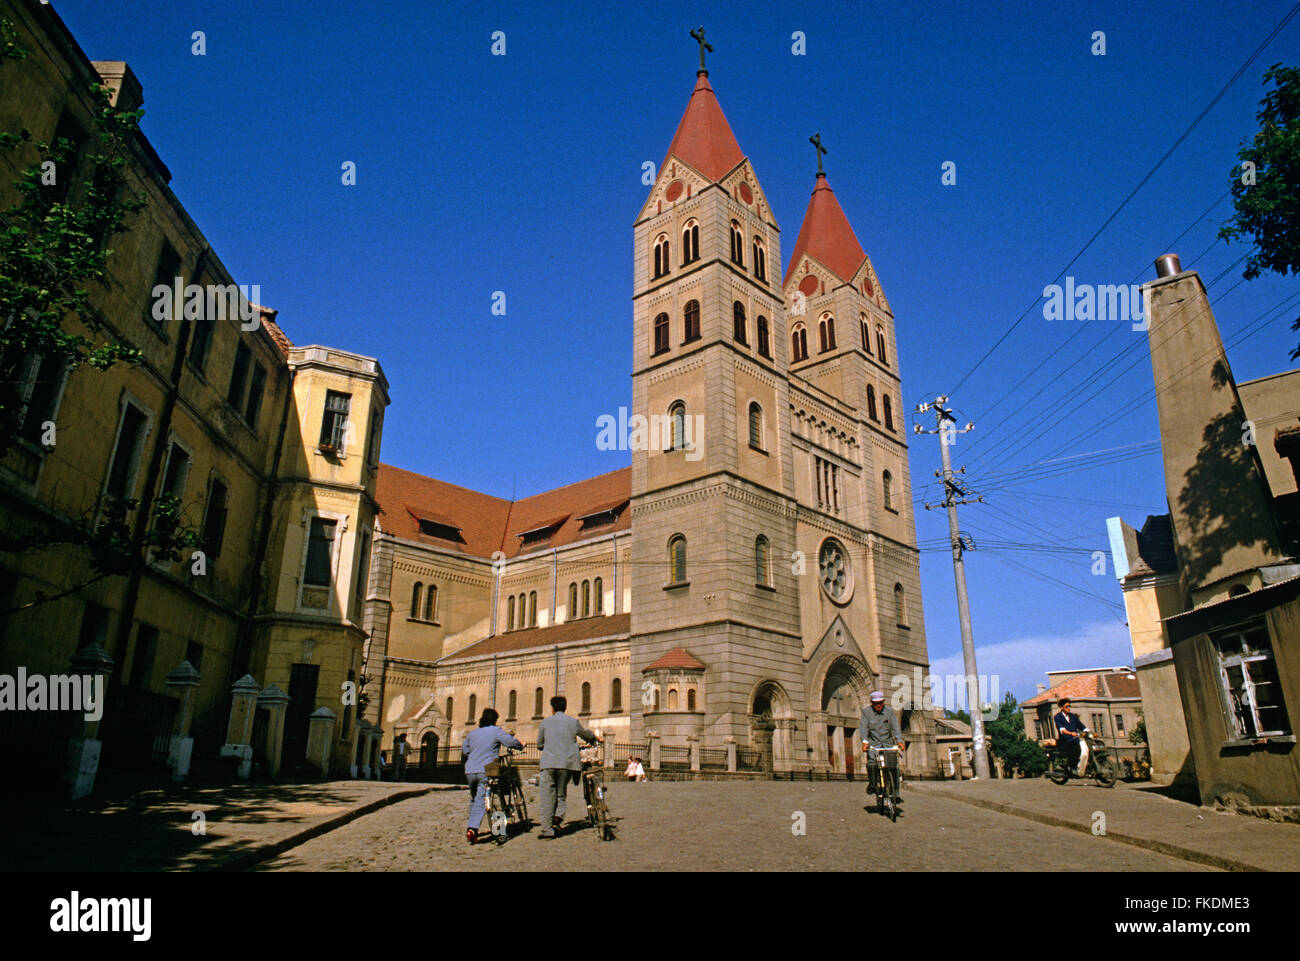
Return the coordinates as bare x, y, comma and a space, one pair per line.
879, 728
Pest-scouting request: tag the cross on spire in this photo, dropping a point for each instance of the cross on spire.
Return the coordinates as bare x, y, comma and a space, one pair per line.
816, 141
698, 36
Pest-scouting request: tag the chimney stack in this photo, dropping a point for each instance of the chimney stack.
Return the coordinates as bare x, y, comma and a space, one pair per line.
126, 92
1167, 265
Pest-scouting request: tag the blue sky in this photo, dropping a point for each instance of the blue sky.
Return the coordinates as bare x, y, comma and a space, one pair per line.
522, 173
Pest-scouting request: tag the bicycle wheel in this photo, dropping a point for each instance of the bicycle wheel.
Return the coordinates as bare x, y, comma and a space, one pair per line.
1105, 772
602, 813
521, 805
893, 797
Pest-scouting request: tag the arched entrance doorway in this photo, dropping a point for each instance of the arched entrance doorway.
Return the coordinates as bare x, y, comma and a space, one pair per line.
429, 749
769, 727
844, 693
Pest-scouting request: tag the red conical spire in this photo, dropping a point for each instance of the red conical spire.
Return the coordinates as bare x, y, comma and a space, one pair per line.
704, 138
826, 235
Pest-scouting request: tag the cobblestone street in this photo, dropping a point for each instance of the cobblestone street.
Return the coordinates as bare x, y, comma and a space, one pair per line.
707, 825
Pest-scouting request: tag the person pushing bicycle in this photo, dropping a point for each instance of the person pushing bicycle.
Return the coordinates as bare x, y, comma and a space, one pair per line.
879, 728
481, 747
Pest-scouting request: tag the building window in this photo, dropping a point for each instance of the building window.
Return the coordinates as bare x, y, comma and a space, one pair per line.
598, 586
690, 242
690, 699
586, 598
887, 486
510, 613
473, 709
889, 411
871, 403
239, 376
799, 343
738, 323
165, 275
532, 609
572, 612
826, 328
764, 338
880, 344
760, 260
450, 705
511, 704
333, 428
762, 562
615, 696
67, 157
677, 560
1099, 724
661, 255
34, 397
866, 333
256, 391
416, 590
586, 698
537, 703
177, 472
1119, 724
900, 605
1249, 677
672, 699
319, 569
691, 316
737, 245
828, 484
214, 519
431, 603
201, 342
833, 563
372, 436
125, 465
661, 333
677, 426
755, 426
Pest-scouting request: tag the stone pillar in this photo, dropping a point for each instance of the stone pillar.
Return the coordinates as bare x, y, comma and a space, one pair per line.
653, 738
277, 704
731, 752
361, 756
320, 739
239, 732
782, 744
183, 682
92, 661
693, 748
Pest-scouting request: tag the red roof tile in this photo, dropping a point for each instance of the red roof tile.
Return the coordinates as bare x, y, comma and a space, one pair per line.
1089, 686
676, 658
582, 629
704, 138
826, 236
268, 321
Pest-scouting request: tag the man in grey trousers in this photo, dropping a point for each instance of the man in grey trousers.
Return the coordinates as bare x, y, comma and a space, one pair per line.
557, 737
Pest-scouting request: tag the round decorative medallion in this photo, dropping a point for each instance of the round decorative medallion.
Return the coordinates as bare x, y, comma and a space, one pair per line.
836, 572
674, 190
809, 285
745, 193
867, 288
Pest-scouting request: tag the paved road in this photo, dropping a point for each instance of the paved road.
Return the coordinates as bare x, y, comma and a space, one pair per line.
710, 825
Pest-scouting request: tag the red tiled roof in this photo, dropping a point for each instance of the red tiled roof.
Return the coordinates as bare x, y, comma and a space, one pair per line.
677, 658
582, 629
488, 524
704, 138
1089, 686
268, 321
826, 236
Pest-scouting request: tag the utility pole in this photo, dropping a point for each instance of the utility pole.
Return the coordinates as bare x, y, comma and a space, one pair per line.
955, 493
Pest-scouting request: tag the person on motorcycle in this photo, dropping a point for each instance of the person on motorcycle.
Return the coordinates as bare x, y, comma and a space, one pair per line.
1069, 739
879, 728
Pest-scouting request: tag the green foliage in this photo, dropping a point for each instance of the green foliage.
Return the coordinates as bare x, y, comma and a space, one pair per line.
1139, 733
1006, 734
1267, 211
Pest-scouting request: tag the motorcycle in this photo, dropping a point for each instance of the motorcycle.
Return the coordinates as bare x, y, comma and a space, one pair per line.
1101, 767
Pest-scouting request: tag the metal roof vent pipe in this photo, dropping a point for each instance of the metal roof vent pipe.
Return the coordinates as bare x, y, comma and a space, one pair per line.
1167, 265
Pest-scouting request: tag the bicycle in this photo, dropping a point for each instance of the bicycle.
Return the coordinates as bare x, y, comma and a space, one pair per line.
593, 793
886, 782
1100, 766
504, 796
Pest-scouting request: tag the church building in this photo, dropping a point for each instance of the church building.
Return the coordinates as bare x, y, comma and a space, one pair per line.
751, 577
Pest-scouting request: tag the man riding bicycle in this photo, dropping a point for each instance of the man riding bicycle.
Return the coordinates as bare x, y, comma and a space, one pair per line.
879, 728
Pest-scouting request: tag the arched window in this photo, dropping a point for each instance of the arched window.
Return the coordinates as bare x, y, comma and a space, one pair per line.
473, 709
537, 703
866, 333
691, 316
431, 602
880, 344
661, 333
871, 403
677, 560
661, 255
598, 587
656, 700
511, 704
523, 608
900, 605
762, 562
615, 696
738, 323
415, 599
672, 699
799, 343
510, 613
586, 598
677, 426
760, 260
572, 612
737, 244
450, 705
826, 328
764, 338
889, 412
690, 242
887, 484
755, 426
690, 699
532, 609
586, 698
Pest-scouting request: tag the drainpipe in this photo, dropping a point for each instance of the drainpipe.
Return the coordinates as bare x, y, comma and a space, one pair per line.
557, 670
496, 597
493, 703
555, 582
